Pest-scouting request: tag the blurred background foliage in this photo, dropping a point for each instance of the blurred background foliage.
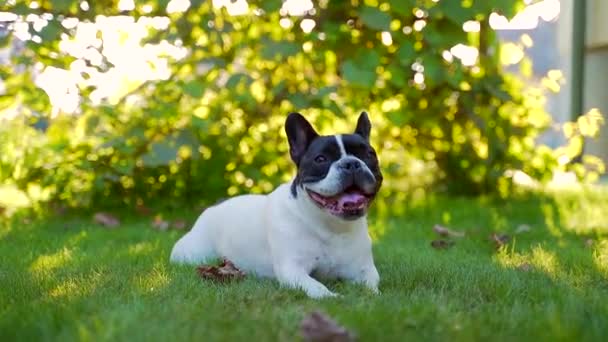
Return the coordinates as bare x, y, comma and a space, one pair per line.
203, 116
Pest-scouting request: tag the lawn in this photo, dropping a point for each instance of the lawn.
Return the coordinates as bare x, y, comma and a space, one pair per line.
70, 279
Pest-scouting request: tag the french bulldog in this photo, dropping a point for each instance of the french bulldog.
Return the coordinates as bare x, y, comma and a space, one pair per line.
313, 227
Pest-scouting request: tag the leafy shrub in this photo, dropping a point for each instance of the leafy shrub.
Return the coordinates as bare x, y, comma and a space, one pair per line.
213, 126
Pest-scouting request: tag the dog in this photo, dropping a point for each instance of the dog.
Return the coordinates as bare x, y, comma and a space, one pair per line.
311, 228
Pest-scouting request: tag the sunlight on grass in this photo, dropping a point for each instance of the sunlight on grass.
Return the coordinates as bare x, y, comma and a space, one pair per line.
600, 256
550, 215
544, 260
49, 262
140, 248
154, 280
539, 258
76, 239
582, 214
76, 287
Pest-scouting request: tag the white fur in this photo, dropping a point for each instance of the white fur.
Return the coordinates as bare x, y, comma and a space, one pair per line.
277, 235
341, 145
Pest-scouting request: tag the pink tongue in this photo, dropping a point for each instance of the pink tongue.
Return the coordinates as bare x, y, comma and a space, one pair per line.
352, 200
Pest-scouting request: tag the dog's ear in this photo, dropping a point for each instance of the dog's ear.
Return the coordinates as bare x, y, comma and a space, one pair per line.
363, 126
299, 134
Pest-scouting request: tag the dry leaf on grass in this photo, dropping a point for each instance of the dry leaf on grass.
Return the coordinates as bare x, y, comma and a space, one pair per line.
526, 266
522, 228
143, 210
58, 209
442, 244
225, 271
159, 223
500, 239
317, 327
106, 219
179, 224
446, 232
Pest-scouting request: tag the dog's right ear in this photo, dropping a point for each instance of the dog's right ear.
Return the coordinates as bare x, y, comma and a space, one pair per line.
299, 134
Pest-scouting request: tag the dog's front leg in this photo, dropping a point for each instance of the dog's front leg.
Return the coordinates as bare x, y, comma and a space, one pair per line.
365, 274
290, 274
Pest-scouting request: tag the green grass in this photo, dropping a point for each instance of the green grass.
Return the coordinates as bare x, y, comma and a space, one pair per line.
68, 279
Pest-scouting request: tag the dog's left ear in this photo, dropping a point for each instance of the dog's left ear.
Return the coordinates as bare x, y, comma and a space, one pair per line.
363, 126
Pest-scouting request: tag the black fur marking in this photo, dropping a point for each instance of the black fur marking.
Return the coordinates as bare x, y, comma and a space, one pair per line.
294, 191
357, 146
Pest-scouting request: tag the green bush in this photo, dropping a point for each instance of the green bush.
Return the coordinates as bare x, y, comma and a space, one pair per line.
213, 127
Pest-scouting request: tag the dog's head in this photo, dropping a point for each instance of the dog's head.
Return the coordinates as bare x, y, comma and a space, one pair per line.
339, 173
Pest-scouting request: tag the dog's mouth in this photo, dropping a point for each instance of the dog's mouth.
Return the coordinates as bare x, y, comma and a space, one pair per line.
350, 204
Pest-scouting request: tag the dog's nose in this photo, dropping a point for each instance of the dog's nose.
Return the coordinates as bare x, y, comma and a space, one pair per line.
350, 165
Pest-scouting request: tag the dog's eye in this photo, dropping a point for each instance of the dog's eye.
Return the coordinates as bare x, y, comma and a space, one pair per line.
371, 152
320, 159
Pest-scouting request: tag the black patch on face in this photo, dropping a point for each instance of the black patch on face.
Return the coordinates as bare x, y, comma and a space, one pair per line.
316, 161
359, 147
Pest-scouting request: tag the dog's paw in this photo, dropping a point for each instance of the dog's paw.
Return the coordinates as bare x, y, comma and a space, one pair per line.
319, 293
375, 290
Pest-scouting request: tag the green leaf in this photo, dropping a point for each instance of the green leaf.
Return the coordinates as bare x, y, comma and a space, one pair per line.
237, 79
51, 31
398, 75
324, 91
361, 70
375, 18
298, 100
399, 118
454, 11
444, 34
406, 53
194, 89
271, 5
367, 59
20, 8
161, 153
62, 5
283, 49
403, 7
356, 76
5, 39
498, 92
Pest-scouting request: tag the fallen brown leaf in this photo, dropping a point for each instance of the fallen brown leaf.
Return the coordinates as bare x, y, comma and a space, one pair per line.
317, 327
159, 223
224, 272
58, 209
143, 210
446, 232
525, 267
500, 239
523, 228
106, 219
179, 224
442, 244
